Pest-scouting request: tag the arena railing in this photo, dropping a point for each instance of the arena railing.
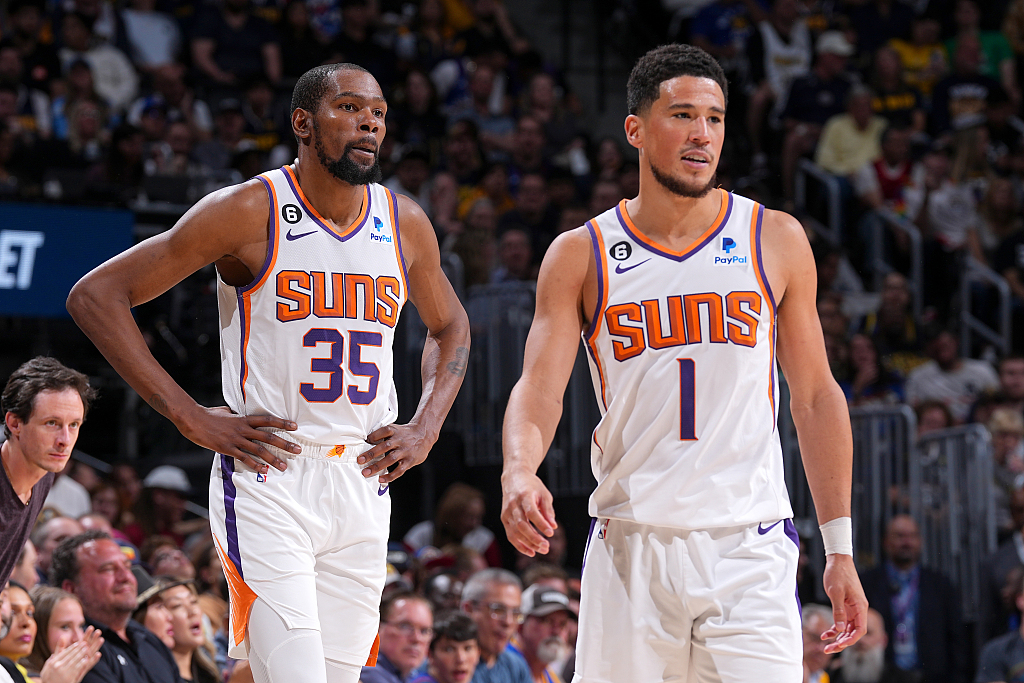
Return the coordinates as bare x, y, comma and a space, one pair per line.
887, 218
977, 278
833, 231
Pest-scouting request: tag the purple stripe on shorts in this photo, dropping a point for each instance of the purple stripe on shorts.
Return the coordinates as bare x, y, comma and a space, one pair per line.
227, 468
791, 533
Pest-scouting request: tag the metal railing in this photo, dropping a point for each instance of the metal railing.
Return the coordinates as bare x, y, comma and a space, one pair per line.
886, 217
833, 232
977, 273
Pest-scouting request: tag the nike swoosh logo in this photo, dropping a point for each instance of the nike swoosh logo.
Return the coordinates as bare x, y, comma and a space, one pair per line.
620, 270
291, 237
763, 531
382, 490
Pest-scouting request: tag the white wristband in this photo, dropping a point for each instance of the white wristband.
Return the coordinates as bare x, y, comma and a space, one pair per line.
838, 536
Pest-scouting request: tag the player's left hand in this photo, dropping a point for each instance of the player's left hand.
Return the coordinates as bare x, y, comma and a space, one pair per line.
849, 604
403, 446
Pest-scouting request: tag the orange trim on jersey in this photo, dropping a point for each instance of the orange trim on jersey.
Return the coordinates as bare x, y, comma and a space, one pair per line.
766, 296
242, 597
392, 212
247, 313
372, 659
601, 260
274, 235
316, 214
699, 242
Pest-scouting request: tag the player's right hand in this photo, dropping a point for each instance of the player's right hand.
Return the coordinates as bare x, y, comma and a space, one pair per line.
238, 436
527, 512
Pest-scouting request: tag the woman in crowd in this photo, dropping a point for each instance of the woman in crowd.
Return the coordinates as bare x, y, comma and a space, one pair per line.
191, 650
459, 520
64, 650
868, 381
151, 611
22, 633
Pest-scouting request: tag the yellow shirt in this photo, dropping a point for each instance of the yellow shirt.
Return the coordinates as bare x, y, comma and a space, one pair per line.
921, 63
844, 148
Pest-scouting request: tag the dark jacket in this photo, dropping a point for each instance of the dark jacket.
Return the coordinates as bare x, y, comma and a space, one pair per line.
940, 631
145, 659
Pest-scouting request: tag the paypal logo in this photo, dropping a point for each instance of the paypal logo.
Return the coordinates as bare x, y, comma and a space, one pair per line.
728, 244
730, 260
378, 224
378, 232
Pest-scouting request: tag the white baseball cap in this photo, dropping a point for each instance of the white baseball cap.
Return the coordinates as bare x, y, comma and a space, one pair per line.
168, 477
834, 42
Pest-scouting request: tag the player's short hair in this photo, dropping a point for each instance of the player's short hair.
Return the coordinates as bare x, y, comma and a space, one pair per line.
36, 376
480, 584
665, 63
455, 626
64, 563
312, 86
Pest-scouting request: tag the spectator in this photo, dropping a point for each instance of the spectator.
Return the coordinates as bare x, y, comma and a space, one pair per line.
179, 101
545, 104
997, 61
950, 378
454, 651
779, 52
816, 619
1003, 657
415, 119
231, 44
463, 158
24, 573
492, 599
429, 41
474, 245
22, 633
515, 258
893, 328
229, 127
302, 46
813, 99
412, 177
164, 558
722, 29
871, 382
850, 141
93, 567
190, 648
533, 213
1011, 382
932, 415
47, 536
899, 103
444, 591
864, 661
491, 31
878, 21
128, 484
923, 57
161, 505
494, 186
921, 609
116, 80
882, 182
997, 615
999, 218
40, 60
154, 38
44, 404
540, 640
960, 99
119, 176
406, 629
458, 519
495, 127
151, 611
33, 106
211, 583
528, 144
358, 44
546, 574
1006, 427
61, 624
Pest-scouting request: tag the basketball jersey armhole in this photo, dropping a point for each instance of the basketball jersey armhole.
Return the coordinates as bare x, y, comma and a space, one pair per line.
400, 255
273, 240
602, 280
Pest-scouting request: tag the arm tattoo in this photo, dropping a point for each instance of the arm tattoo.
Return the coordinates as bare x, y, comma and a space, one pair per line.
159, 404
458, 366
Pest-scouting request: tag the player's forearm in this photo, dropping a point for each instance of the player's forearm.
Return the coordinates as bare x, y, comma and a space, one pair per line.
105, 317
826, 445
443, 367
531, 419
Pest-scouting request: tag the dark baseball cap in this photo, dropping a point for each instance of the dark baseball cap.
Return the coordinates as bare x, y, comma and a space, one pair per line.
540, 601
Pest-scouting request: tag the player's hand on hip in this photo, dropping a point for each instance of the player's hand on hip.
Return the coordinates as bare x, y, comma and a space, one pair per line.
403, 446
239, 436
849, 604
527, 512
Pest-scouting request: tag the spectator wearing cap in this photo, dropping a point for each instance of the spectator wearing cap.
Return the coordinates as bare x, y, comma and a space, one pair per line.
161, 506
492, 598
454, 652
813, 100
231, 44
406, 629
150, 610
541, 637
116, 80
173, 608
92, 567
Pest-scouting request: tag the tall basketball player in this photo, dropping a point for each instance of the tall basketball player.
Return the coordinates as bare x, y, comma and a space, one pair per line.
681, 295
314, 262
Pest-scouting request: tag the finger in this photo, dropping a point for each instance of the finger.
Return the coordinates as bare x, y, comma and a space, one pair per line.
379, 435
261, 455
529, 533
375, 468
249, 461
548, 511
395, 472
839, 611
539, 520
270, 421
274, 440
375, 453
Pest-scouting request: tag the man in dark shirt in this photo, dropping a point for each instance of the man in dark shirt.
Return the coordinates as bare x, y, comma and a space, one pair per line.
44, 404
92, 567
1002, 659
961, 99
231, 45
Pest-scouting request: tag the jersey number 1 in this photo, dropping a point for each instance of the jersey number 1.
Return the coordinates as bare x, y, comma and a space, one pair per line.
687, 402
332, 366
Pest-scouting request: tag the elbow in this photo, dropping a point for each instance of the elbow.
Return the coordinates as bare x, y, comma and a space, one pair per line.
83, 301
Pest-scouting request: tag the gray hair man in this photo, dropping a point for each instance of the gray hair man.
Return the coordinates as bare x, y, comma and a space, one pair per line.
492, 599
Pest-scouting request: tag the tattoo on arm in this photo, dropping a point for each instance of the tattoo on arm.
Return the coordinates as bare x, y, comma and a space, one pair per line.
159, 404
458, 366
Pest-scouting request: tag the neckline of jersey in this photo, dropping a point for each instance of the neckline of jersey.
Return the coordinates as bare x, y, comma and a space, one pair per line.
647, 243
343, 235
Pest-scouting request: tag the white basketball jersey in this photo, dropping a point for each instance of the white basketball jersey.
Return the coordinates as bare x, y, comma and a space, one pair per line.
682, 352
309, 340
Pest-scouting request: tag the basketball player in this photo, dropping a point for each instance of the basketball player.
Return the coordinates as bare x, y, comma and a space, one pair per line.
681, 295
314, 262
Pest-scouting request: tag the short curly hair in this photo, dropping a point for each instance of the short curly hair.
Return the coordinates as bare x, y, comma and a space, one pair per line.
665, 63
312, 86
36, 376
64, 562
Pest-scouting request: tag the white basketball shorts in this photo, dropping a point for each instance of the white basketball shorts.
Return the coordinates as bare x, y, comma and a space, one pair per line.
662, 604
310, 541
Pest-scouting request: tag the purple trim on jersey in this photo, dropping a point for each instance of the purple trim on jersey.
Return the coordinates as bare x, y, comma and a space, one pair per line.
241, 345
760, 259
272, 245
586, 548
595, 319
791, 533
398, 236
227, 468
312, 213
692, 250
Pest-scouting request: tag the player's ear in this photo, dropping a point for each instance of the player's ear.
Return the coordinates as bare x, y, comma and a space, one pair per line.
302, 125
634, 127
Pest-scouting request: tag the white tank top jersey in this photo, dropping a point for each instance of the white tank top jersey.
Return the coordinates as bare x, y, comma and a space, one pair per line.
682, 353
309, 340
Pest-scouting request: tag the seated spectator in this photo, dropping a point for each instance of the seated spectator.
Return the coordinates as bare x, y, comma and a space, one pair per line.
151, 611
412, 177
429, 39
211, 584
473, 243
161, 505
172, 155
540, 640
491, 31
998, 218
492, 599
571, 217
358, 43
267, 122
454, 651
415, 120
60, 625
960, 99
1011, 382
893, 328
997, 614
216, 154
191, 650
458, 519
932, 416
92, 566
179, 101
997, 60
816, 619
900, 104
870, 382
495, 127
923, 57
406, 630
302, 46
39, 58
119, 176
864, 661
33, 106
154, 39
950, 378
46, 536
443, 590
231, 44
851, 140
545, 103
79, 85
116, 80
164, 558
24, 573
494, 186
547, 575
1003, 657
21, 635
527, 157
921, 608
879, 21
814, 99
1006, 427
462, 154
515, 258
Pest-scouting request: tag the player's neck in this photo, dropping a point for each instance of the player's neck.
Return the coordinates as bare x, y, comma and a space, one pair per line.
22, 474
671, 220
333, 199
